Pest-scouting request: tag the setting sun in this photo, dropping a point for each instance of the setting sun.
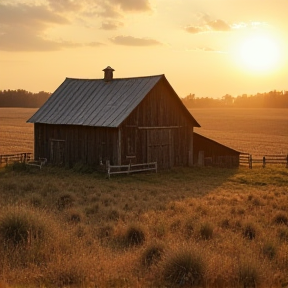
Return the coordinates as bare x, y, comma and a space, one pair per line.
259, 53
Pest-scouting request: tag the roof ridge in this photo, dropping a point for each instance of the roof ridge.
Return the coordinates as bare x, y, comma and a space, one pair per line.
123, 78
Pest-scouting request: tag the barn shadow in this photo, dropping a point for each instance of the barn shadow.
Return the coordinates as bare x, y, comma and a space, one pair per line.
177, 184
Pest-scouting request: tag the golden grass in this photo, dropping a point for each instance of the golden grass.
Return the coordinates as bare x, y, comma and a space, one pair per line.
206, 211
255, 131
235, 220
16, 134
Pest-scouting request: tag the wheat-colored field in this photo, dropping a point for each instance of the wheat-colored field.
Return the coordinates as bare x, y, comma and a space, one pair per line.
16, 136
255, 131
187, 227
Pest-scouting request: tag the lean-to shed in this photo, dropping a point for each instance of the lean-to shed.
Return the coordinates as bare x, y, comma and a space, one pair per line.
137, 120
208, 152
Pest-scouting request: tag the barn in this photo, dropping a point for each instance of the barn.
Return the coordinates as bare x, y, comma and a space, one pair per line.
124, 120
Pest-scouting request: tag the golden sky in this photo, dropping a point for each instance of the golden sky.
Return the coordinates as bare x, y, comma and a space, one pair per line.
205, 47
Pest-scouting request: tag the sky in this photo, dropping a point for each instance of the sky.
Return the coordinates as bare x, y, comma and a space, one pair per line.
209, 48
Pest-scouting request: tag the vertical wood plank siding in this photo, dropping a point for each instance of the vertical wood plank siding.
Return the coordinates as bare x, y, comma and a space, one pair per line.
83, 144
160, 108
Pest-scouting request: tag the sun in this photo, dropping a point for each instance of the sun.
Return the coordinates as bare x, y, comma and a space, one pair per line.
258, 53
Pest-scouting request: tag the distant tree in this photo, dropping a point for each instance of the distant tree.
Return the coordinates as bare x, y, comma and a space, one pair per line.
272, 99
227, 100
22, 98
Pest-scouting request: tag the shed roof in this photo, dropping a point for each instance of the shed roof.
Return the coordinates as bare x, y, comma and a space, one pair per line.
204, 143
94, 102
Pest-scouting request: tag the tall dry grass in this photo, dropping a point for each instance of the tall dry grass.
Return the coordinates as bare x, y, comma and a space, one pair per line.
180, 228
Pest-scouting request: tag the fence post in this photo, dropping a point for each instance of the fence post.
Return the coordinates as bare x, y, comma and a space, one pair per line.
264, 161
108, 168
250, 161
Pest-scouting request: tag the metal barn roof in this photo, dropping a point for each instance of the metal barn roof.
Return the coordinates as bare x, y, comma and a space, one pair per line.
95, 102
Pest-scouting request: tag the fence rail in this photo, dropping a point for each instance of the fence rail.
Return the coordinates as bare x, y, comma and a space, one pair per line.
248, 159
130, 168
11, 158
26, 158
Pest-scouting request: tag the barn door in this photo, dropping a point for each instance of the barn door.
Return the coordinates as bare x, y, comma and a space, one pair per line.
159, 147
57, 150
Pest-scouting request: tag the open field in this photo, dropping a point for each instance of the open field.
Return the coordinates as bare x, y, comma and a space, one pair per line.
16, 136
192, 227
255, 131
186, 227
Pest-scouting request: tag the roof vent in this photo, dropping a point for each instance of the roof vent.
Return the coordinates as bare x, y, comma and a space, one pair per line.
108, 73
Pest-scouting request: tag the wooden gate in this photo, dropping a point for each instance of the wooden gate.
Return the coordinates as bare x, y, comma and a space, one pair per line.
57, 149
159, 147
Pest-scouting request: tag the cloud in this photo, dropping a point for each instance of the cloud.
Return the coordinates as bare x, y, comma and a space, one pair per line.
26, 15
194, 29
132, 5
15, 40
22, 27
209, 49
208, 26
205, 49
249, 25
114, 8
218, 25
65, 5
133, 41
94, 44
109, 25
24, 40
105, 10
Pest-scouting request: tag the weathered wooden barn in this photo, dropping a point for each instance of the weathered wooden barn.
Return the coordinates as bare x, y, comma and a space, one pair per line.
126, 120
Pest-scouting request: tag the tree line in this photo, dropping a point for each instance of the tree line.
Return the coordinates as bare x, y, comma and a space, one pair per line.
22, 98
272, 99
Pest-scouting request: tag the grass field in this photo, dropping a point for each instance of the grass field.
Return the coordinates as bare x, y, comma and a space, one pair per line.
191, 227
255, 131
186, 227
16, 136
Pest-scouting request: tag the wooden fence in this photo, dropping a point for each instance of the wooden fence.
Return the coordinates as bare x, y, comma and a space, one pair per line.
11, 158
248, 159
130, 168
26, 158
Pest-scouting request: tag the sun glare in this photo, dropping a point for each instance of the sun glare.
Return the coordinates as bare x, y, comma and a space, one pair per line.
259, 53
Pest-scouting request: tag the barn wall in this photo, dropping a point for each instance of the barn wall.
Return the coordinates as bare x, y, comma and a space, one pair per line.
209, 152
158, 130
72, 144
